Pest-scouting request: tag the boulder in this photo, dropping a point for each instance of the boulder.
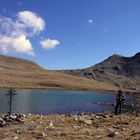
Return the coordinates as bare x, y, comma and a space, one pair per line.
2, 122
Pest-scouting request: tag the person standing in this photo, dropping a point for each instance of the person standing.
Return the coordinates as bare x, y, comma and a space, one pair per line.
120, 98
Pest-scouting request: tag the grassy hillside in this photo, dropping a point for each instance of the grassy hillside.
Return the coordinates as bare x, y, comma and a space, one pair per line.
22, 73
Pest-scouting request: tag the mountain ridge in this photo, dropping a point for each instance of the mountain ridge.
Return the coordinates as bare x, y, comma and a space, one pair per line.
120, 71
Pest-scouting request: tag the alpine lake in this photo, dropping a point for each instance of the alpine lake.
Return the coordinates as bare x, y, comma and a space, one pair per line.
36, 101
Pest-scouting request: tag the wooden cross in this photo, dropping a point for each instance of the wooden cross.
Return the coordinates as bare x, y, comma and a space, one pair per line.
10, 94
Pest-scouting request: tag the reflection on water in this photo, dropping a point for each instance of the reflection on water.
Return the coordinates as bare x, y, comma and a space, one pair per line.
55, 102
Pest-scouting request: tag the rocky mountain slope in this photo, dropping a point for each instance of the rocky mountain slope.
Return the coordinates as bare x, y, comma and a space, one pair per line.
120, 71
22, 73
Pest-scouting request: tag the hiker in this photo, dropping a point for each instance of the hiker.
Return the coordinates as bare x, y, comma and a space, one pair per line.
120, 98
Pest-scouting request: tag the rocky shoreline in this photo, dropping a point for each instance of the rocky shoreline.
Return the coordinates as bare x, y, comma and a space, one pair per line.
68, 127
105, 126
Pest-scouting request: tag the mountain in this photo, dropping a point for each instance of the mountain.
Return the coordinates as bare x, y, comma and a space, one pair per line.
21, 73
122, 72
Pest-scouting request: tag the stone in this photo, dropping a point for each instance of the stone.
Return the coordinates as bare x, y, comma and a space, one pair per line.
111, 129
29, 114
98, 136
58, 132
77, 126
97, 117
88, 122
44, 134
123, 129
51, 124
2, 122
102, 115
62, 120
15, 138
112, 132
13, 117
76, 118
21, 118
50, 127
18, 131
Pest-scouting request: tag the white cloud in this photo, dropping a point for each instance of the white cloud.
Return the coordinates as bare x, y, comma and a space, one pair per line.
90, 21
49, 43
18, 44
15, 32
31, 20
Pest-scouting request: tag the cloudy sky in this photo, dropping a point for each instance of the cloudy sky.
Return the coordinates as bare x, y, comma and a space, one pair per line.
65, 34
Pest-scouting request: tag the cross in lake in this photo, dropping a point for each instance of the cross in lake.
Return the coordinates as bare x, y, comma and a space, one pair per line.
10, 94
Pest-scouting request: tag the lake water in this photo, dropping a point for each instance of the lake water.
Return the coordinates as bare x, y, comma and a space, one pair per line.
55, 102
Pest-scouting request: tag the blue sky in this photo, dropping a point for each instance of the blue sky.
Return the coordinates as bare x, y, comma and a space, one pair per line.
66, 34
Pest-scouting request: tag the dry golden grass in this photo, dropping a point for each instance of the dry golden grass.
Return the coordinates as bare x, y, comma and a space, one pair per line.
21, 73
49, 79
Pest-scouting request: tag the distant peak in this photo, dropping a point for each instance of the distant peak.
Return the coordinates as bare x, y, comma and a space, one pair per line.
114, 58
116, 55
